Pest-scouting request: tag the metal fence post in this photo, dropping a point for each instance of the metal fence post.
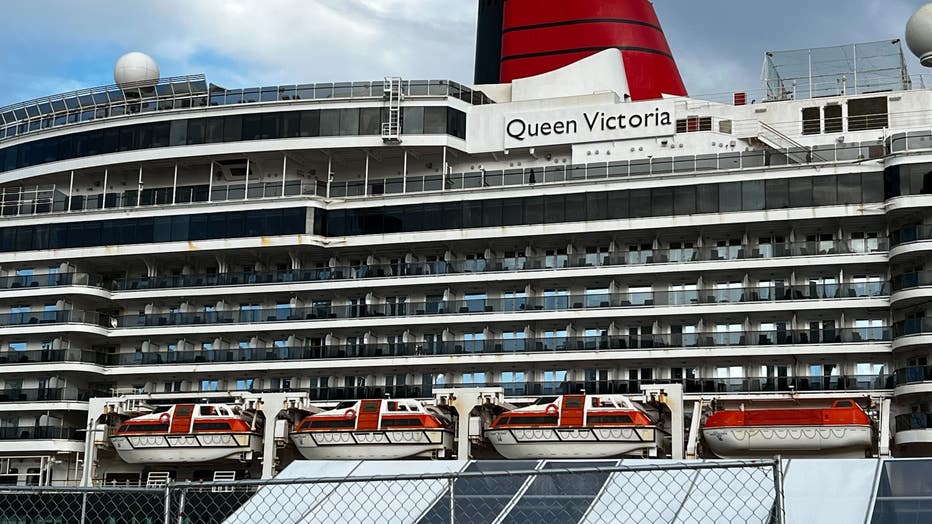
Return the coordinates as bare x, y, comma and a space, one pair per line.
451, 480
168, 504
181, 506
778, 488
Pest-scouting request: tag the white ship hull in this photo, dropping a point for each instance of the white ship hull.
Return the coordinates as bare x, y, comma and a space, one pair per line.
537, 443
824, 441
163, 449
372, 445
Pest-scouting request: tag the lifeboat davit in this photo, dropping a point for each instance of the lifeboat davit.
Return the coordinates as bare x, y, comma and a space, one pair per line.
373, 430
573, 426
187, 433
840, 431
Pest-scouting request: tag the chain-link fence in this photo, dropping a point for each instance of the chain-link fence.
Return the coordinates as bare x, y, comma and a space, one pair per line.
482, 492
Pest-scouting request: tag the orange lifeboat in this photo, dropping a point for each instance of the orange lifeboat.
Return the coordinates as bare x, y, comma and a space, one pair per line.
373, 430
573, 426
187, 433
842, 430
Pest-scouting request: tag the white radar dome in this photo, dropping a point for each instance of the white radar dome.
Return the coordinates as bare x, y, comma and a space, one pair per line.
135, 67
919, 34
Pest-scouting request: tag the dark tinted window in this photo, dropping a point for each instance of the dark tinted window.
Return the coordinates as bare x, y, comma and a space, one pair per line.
160, 229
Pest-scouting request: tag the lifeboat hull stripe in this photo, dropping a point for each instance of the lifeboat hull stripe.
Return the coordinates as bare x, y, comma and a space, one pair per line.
373, 445
339, 438
184, 441
629, 434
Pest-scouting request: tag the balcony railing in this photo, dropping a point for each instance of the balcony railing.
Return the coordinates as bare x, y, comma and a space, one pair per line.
913, 421
913, 375
66, 316
48, 394
492, 265
496, 305
50, 280
912, 326
39, 433
51, 355
908, 234
630, 387
911, 280
498, 346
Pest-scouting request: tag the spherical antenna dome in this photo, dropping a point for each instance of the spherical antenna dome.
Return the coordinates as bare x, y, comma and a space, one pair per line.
919, 34
135, 67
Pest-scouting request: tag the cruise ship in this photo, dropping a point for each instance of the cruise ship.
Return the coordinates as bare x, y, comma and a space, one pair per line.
200, 282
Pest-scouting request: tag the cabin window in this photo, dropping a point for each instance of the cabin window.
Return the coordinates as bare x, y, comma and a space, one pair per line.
833, 119
843, 404
812, 121
867, 113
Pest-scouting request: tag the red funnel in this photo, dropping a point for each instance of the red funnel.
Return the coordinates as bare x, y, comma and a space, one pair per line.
539, 36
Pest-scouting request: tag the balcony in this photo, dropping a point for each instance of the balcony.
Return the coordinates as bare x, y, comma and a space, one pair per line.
851, 383
39, 433
756, 295
51, 355
912, 332
913, 379
492, 347
66, 316
418, 269
49, 395
908, 234
50, 280
913, 428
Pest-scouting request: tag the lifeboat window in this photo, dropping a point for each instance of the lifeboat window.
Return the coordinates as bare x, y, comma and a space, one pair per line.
211, 425
573, 402
332, 423
183, 411
393, 406
534, 420
606, 419
121, 429
843, 404
145, 428
545, 400
344, 405
208, 411
369, 407
401, 422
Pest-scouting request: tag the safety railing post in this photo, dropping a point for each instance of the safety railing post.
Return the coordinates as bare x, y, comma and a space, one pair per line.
779, 514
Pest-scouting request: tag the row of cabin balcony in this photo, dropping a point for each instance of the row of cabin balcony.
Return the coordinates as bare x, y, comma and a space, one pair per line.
732, 331
50, 425
611, 252
608, 295
854, 375
727, 285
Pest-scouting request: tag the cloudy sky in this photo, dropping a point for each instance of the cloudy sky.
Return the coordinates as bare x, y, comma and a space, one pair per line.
61, 45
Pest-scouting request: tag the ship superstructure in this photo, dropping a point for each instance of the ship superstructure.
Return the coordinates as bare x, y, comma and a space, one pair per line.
168, 242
